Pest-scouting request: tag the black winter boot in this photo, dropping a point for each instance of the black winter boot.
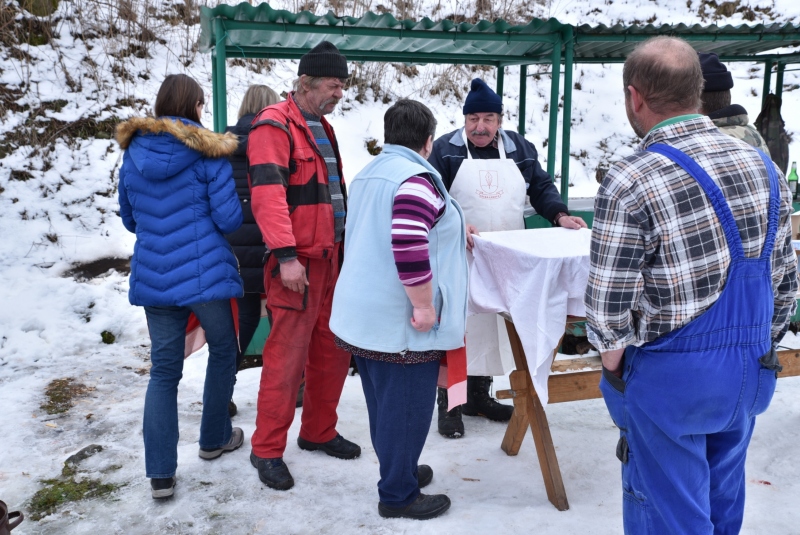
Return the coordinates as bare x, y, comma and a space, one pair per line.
450, 423
481, 403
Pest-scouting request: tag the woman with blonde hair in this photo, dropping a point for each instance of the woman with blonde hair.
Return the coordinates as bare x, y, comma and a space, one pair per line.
248, 246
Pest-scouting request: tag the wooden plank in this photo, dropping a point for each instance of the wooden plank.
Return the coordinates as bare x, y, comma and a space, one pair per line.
574, 386
790, 360
578, 364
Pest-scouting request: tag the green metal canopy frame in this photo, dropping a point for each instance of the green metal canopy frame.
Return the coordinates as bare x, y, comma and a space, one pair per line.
246, 31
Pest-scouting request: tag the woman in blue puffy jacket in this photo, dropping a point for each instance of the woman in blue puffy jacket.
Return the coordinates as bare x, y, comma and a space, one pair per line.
177, 194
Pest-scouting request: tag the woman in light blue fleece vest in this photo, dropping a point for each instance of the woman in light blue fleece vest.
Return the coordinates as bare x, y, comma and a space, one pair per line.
401, 301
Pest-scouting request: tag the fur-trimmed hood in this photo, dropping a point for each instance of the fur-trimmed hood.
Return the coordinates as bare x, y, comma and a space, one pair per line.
210, 144
163, 147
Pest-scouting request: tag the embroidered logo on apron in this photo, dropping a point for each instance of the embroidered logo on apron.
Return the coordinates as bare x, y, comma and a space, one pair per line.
490, 185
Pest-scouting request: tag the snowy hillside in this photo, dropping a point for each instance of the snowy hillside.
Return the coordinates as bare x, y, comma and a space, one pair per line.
68, 78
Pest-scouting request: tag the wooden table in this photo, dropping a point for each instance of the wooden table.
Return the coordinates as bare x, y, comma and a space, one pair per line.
574, 379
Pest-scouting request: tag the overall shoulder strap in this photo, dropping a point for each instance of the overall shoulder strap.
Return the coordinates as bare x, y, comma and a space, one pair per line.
774, 205
711, 190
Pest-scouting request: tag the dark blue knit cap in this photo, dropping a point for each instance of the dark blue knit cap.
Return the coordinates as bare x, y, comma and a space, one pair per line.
715, 74
481, 99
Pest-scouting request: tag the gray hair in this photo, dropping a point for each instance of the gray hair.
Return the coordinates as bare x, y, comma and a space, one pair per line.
312, 82
666, 71
256, 98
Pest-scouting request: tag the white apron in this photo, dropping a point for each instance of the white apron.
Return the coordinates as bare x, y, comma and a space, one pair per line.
492, 194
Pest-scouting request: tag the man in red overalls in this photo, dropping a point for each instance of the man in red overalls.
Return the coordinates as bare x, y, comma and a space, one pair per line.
298, 197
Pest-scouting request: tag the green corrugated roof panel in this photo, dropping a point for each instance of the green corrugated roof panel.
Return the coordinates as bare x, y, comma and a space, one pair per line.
261, 28
253, 30
616, 42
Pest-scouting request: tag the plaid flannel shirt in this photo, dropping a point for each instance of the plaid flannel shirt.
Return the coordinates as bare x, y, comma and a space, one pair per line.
659, 257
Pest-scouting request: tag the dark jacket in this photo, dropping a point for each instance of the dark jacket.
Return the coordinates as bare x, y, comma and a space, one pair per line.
176, 193
247, 243
289, 183
449, 151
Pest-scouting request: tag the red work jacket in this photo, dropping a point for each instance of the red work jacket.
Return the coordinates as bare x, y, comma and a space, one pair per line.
289, 183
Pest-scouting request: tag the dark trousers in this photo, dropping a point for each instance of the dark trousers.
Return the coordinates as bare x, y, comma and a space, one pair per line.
400, 400
249, 317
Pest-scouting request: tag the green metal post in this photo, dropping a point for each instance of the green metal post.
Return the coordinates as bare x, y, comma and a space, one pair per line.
523, 97
214, 92
501, 74
220, 82
779, 80
566, 125
552, 138
767, 80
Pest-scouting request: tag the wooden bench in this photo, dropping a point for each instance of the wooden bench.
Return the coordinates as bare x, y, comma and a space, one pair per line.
570, 380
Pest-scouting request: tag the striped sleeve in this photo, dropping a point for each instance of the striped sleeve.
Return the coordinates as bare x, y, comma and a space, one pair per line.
417, 206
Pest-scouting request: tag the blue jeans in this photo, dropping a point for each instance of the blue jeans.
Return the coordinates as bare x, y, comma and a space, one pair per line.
167, 326
400, 400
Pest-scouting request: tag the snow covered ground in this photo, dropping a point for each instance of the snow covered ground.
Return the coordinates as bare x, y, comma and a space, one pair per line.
491, 492
57, 208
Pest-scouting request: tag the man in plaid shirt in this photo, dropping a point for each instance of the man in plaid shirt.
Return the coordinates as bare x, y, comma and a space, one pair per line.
692, 282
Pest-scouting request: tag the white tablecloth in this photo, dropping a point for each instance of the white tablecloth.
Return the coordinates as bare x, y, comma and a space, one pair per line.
536, 276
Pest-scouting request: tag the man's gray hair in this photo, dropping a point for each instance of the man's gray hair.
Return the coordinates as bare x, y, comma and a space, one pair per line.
666, 71
312, 82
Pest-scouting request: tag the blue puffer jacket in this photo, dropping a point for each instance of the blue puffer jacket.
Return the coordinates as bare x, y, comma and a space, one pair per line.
176, 193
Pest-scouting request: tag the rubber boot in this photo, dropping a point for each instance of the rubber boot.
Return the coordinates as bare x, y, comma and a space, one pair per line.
481, 403
450, 423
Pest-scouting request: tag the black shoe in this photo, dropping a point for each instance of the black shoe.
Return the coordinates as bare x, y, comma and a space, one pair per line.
450, 423
481, 403
424, 475
234, 443
232, 410
423, 508
300, 393
162, 487
272, 472
338, 447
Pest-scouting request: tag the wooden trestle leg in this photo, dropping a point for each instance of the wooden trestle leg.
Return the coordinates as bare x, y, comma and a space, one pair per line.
528, 411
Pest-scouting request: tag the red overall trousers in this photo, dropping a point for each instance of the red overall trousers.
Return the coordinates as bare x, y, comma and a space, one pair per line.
300, 339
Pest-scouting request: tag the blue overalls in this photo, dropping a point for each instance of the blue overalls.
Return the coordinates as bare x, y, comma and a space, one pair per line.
687, 401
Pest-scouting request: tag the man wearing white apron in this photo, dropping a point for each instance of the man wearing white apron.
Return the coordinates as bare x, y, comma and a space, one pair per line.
490, 172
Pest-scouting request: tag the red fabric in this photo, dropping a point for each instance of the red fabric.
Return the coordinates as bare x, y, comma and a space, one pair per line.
453, 376
280, 145
300, 340
196, 336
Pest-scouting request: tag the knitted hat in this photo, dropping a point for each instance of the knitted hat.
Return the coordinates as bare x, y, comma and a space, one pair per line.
481, 99
323, 60
715, 74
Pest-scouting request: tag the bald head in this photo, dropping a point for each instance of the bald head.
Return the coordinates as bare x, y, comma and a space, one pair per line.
666, 71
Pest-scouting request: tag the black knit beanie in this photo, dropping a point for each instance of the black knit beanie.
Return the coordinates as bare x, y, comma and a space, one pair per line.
715, 74
324, 60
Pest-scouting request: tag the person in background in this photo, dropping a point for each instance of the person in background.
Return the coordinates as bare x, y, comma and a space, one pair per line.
692, 283
176, 193
406, 250
299, 203
490, 171
715, 101
248, 246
